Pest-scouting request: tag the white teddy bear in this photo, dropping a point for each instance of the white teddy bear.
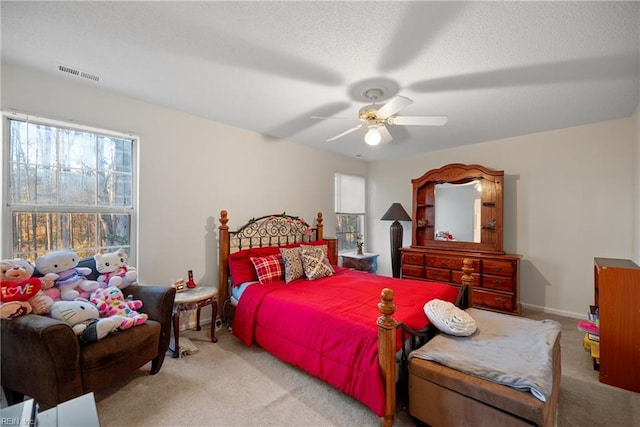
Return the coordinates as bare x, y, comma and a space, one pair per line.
62, 266
114, 269
84, 319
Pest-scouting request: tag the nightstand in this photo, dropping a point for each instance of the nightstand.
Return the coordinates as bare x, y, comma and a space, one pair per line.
194, 298
364, 262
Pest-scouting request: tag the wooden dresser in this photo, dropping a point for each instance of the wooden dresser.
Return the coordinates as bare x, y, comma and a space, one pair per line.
617, 294
495, 277
457, 214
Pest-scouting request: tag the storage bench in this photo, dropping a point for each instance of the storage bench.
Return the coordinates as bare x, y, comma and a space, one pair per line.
441, 396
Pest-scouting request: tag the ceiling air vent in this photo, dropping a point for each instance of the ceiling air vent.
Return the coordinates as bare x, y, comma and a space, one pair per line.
78, 73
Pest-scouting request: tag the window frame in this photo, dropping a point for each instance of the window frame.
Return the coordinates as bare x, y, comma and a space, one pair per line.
7, 211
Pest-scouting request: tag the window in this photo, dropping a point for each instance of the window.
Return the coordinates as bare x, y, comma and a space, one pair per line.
350, 210
67, 187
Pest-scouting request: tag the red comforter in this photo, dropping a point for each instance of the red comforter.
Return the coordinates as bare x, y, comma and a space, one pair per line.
328, 326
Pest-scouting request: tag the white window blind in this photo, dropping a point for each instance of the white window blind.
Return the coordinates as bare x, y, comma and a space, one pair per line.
350, 198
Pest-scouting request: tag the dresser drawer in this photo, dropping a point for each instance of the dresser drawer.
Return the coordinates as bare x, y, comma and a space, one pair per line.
493, 300
412, 258
414, 271
501, 283
501, 268
444, 262
438, 274
456, 277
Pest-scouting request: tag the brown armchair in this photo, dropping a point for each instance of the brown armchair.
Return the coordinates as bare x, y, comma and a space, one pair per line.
42, 357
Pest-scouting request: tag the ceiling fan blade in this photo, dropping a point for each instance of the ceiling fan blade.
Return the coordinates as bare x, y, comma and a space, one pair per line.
347, 132
418, 120
333, 118
392, 106
384, 133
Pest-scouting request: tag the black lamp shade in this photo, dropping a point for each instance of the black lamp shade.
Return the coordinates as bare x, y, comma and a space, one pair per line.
396, 213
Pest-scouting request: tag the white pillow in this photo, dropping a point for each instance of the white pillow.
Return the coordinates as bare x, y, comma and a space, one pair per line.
450, 319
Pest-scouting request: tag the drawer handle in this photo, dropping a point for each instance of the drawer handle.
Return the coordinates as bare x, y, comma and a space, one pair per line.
496, 268
501, 300
496, 282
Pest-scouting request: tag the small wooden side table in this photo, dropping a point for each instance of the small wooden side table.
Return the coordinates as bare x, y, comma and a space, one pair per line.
197, 297
362, 262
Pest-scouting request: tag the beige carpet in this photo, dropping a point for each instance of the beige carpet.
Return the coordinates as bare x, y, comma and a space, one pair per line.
228, 384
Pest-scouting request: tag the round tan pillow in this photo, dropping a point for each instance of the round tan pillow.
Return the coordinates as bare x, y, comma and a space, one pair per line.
450, 319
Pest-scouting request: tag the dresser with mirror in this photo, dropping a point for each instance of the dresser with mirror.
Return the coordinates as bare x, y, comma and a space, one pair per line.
458, 213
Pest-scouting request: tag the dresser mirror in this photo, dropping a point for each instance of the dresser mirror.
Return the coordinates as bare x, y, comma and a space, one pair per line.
458, 211
458, 207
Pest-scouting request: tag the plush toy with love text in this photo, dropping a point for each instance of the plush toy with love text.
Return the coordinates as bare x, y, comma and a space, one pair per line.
20, 292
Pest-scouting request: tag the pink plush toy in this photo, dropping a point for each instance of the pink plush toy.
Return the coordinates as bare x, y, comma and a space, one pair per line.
111, 302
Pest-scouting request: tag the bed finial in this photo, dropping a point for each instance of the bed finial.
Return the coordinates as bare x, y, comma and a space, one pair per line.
223, 218
319, 226
386, 307
386, 354
467, 280
223, 267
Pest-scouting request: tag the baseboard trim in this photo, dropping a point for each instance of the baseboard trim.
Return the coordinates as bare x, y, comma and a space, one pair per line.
554, 311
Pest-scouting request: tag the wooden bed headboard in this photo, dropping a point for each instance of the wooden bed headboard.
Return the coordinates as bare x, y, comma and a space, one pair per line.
269, 230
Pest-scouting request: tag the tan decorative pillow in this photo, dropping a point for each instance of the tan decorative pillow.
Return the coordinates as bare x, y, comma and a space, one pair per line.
313, 263
292, 264
324, 250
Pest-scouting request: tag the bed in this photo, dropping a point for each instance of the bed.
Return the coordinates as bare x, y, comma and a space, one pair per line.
340, 327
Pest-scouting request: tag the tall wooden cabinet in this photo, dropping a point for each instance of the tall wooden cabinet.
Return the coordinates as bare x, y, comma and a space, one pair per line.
617, 294
442, 237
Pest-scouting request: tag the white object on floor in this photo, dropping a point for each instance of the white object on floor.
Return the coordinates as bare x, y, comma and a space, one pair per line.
187, 347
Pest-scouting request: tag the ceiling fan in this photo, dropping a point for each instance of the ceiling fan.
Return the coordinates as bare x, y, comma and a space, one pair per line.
376, 116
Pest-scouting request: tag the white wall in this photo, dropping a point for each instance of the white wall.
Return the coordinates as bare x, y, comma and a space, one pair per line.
570, 194
190, 169
568, 198
636, 183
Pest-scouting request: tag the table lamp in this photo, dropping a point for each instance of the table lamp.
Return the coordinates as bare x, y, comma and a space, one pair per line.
396, 213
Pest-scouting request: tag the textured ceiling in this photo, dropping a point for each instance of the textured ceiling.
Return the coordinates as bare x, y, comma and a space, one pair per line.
496, 69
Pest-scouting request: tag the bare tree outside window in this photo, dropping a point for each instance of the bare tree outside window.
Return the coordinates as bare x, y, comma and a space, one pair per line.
68, 188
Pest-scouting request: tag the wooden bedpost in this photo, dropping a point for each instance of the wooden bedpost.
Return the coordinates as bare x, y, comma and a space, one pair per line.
467, 280
386, 354
319, 226
223, 266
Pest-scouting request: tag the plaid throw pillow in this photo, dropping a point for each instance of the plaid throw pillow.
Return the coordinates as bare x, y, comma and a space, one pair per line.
269, 268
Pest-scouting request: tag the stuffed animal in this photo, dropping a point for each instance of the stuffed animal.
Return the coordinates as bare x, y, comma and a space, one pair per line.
84, 319
111, 302
114, 269
22, 294
69, 278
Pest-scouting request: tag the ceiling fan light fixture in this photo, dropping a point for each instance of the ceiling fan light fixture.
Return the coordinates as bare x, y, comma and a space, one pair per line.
373, 136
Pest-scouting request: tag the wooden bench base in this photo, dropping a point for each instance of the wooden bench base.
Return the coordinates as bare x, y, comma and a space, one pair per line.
441, 397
